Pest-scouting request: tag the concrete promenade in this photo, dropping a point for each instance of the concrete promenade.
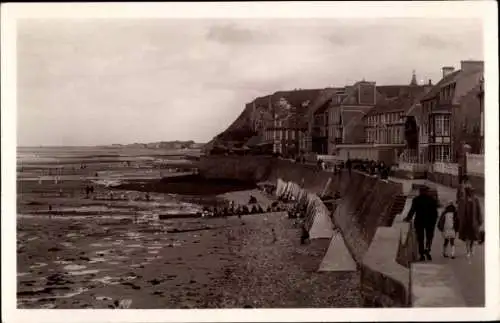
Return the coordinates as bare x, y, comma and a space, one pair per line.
469, 273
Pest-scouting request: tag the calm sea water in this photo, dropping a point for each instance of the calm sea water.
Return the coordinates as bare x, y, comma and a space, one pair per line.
38, 159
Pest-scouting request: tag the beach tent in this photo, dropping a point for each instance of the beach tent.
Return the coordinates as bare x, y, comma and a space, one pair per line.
318, 221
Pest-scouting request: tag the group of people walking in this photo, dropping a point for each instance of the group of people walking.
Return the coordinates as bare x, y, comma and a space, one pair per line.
461, 218
370, 167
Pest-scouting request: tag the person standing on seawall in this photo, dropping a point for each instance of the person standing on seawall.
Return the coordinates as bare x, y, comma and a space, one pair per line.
425, 209
470, 219
348, 165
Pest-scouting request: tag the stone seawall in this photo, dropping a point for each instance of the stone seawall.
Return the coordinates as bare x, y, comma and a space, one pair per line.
364, 216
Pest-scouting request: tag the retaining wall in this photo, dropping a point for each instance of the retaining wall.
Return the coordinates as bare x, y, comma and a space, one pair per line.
382, 253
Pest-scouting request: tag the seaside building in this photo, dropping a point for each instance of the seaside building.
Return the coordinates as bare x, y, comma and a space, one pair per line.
362, 121
284, 121
335, 117
451, 114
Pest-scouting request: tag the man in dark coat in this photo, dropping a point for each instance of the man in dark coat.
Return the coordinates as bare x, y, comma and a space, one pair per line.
425, 208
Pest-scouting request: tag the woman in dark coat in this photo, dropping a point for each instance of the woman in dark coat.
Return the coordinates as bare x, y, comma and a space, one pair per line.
470, 219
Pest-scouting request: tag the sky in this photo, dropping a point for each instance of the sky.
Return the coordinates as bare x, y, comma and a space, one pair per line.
93, 82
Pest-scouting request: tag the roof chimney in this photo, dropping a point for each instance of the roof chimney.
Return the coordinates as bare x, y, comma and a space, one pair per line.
447, 70
428, 86
471, 66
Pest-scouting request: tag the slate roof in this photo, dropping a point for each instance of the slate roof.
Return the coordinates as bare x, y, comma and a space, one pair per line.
391, 91
403, 102
436, 88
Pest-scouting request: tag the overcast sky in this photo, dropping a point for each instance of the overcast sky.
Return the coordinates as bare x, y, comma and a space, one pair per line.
121, 81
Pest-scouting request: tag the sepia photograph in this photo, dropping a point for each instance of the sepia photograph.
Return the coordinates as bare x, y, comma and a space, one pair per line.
250, 159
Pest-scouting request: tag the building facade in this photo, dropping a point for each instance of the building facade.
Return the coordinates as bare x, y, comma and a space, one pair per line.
371, 123
452, 113
284, 126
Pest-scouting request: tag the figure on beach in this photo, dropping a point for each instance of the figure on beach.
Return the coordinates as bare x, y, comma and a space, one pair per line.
470, 219
448, 225
425, 208
252, 200
304, 237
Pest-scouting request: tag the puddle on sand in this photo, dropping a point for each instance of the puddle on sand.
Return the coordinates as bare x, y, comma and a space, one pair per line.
73, 235
152, 258
133, 235
103, 298
107, 280
32, 238
155, 247
153, 252
67, 295
113, 263
38, 265
84, 272
97, 260
119, 257
103, 252
68, 244
138, 265
74, 267
134, 246
23, 274
62, 262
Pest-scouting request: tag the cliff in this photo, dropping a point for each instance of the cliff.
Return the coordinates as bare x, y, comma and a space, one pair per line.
242, 129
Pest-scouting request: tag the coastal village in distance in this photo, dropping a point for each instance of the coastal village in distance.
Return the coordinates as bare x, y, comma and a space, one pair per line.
305, 201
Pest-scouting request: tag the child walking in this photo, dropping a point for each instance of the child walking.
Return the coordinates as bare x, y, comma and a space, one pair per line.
448, 225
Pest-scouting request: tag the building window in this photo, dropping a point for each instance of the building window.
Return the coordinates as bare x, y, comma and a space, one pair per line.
442, 125
442, 153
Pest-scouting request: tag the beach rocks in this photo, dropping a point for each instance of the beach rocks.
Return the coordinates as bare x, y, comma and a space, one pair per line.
155, 281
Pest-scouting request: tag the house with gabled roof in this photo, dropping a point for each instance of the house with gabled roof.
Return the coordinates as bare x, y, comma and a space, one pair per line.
317, 121
451, 113
345, 113
450, 117
334, 117
281, 119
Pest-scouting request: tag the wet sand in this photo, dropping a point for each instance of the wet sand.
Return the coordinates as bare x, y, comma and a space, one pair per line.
228, 263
